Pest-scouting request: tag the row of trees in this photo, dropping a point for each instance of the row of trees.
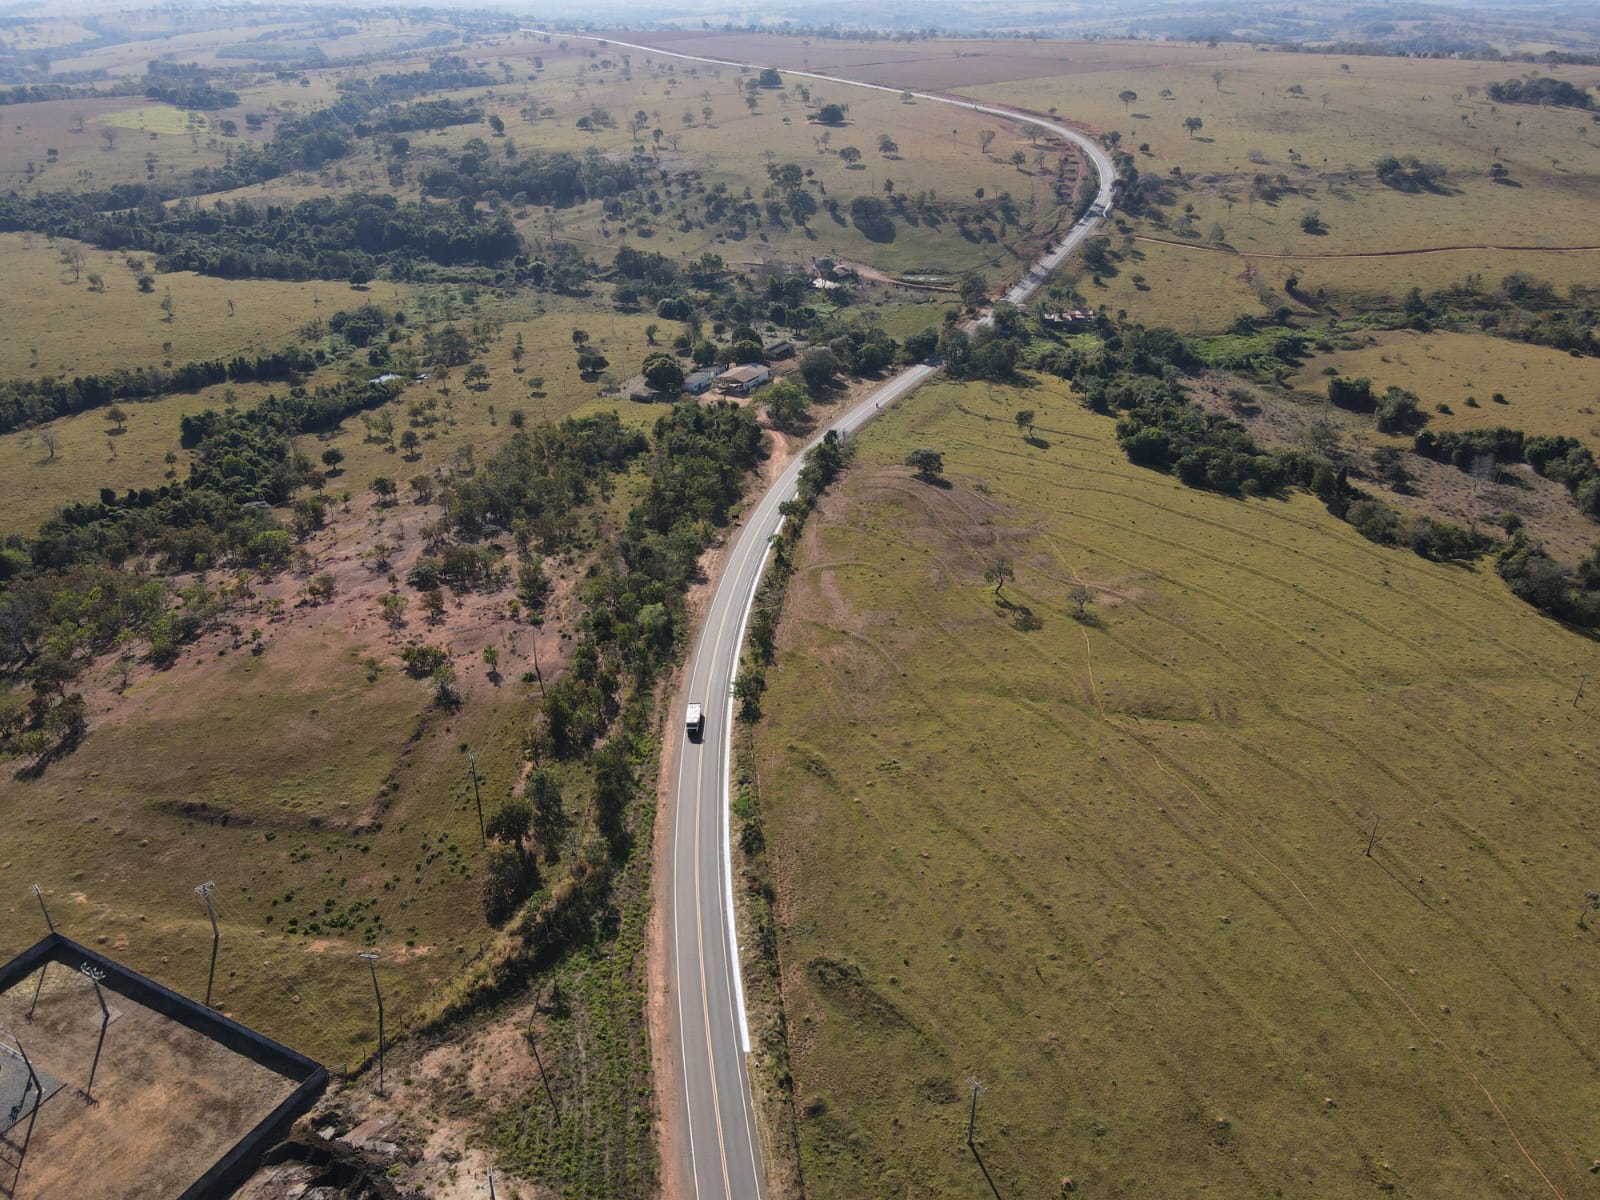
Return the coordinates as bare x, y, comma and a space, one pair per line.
34, 401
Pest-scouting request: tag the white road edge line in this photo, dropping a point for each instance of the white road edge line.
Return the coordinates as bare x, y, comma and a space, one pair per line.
736, 969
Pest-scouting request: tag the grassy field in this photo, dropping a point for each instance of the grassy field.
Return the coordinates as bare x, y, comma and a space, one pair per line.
1114, 866
1545, 391
56, 325
87, 157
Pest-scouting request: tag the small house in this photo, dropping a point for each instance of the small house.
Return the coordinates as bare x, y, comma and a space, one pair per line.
778, 348
743, 380
699, 382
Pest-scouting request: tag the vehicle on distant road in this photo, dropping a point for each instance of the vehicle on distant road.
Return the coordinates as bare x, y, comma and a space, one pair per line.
694, 722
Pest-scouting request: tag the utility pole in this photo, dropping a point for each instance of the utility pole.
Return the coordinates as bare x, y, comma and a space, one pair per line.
533, 1044
472, 760
372, 963
33, 1112
44, 967
204, 892
1373, 836
972, 1117
95, 975
38, 894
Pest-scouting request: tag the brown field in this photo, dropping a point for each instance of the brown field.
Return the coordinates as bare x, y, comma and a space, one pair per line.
169, 1101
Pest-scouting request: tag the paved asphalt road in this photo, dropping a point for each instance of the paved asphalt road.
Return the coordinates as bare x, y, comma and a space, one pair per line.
719, 1127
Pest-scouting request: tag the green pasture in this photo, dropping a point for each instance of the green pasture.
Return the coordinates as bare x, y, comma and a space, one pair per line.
1115, 867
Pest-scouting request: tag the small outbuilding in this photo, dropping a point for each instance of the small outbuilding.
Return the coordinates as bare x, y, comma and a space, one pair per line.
699, 382
778, 348
744, 380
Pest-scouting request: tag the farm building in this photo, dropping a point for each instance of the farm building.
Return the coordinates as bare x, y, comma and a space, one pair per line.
744, 380
699, 382
1072, 318
778, 348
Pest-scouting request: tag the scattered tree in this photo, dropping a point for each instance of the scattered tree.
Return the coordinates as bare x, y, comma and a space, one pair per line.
393, 605
1193, 124
1127, 96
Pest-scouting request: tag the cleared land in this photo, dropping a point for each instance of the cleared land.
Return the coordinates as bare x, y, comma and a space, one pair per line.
1114, 867
169, 1101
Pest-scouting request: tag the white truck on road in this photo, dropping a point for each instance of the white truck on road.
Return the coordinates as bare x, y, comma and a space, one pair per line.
694, 721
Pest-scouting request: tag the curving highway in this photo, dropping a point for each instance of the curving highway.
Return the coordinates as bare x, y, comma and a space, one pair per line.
716, 1116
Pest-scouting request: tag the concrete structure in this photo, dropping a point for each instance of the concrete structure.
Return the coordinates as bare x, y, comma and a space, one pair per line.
699, 382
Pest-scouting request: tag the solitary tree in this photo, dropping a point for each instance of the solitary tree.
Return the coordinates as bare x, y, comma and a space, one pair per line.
1000, 572
928, 464
849, 155
117, 417
409, 442
985, 138
332, 457
1081, 596
1193, 125
1025, 421
1127, 96
383, 487
887, 145
110, 135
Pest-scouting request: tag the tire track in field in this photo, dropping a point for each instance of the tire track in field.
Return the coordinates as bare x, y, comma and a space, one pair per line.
1466, 835
1339, 932
1470, 631
1375, 554
1350, 945
1133, 899
1393, 695
1130, 786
